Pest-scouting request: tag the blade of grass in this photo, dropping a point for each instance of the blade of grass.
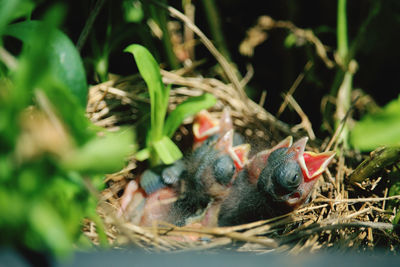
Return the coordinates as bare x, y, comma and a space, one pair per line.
160, 16
214, 23
342, 42
167, 150
150, 72
188, 108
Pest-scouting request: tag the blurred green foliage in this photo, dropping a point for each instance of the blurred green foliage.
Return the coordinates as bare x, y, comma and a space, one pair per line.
63, 60
381, 128
133, 10
50, 153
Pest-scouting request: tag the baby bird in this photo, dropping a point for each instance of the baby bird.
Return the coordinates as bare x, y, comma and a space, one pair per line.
180, 192
210, 169
274, 182
216, 185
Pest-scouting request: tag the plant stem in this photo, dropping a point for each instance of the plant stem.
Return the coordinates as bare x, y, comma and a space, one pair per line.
341, 33
346, 52
346, 70
379, 159
214, 23
89, 24
160, 16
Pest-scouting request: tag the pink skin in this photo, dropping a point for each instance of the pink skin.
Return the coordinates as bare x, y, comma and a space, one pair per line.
143, 209
131, 202
126, 198
157, 206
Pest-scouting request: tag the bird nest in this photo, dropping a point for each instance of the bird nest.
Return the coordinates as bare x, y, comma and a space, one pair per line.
339, 215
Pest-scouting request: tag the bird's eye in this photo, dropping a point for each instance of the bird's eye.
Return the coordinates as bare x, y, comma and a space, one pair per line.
290, 181
287, 177
223, 168
295, 180
211, 140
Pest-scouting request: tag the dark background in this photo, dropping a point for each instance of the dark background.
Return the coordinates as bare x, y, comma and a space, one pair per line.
276, 67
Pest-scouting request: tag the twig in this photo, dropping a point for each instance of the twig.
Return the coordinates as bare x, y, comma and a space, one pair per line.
293, 88
385, 195
141, 231
262, 98
219, 242
356, 200
315, 229
268, 242
248, 76
188, 34
255, 36
229, 95
341, 125
305, 122
8, 59
357, 213
210, 46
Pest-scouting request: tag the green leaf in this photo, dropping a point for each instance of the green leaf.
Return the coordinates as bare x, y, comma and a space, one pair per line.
69, 110
133, 11
381, 128
33, 65
46, 222
150, 72
290, 40
25, 9
64, 61
12, 216
167, 150
395, 189
396, 218
104, 154
142, 154
187, 108
7, 10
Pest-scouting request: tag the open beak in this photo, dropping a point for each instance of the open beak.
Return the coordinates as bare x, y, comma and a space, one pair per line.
204, 126
312, 166
239, 153
316, 163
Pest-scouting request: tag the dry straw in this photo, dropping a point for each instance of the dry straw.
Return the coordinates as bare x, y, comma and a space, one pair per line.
337, 216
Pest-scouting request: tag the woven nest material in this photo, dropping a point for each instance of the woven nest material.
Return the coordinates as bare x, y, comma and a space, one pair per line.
338, 216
